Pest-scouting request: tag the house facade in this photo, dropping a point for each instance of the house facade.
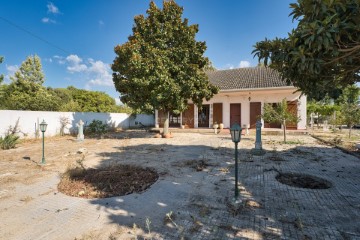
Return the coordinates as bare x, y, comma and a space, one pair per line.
243, 93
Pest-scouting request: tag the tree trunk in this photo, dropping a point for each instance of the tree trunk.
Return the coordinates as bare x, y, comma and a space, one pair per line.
350, 131
284, 130
166, 124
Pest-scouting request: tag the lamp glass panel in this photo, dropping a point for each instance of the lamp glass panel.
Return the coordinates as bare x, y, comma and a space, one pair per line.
232, 135
43, 126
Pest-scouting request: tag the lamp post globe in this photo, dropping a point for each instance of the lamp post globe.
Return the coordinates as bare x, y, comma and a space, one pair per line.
235, 132
43, 126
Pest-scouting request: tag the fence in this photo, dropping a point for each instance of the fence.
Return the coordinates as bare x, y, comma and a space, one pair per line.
29, 121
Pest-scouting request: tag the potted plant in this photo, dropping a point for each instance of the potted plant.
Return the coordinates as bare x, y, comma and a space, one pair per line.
215, 127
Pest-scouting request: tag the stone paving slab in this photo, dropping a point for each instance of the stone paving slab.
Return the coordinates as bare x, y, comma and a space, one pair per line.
201, 201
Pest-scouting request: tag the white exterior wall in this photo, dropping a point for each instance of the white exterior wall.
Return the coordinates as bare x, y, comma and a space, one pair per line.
28, 120
263, 96
275, 95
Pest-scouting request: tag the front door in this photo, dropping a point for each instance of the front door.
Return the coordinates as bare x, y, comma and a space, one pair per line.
217, 113
174, 120
255, 113
203, 117
188, 117
292, 108
235, 114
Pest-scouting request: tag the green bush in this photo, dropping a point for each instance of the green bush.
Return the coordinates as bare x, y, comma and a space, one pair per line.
9, 141
96, 127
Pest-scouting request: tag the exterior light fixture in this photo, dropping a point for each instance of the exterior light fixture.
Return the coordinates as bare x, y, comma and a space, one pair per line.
235, 132
43, 126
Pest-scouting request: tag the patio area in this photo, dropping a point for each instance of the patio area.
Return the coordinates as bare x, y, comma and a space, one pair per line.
193, 197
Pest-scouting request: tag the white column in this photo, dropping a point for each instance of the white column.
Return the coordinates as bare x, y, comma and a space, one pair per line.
302, 112
211, 116
195, 116
262, 112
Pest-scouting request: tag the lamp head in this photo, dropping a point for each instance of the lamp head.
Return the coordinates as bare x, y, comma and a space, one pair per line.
235, 132
43, 126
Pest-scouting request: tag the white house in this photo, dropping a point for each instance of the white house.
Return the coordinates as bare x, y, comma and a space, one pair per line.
243, 93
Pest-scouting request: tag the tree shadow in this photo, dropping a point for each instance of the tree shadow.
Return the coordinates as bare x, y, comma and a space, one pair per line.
201, 202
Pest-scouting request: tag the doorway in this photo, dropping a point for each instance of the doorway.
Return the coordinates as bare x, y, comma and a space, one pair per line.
203, 116
235, 113
255, 113
188, 117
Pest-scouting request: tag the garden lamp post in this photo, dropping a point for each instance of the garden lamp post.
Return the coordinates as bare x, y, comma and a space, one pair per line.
235, 132
43, 126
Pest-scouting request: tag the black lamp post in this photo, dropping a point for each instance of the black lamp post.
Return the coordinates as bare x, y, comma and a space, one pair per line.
235, 132
43, 126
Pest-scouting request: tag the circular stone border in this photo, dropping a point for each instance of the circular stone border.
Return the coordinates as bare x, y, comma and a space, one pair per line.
300, 180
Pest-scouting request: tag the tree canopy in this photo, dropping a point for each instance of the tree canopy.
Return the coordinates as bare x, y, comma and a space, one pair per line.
30, 71
26, 92
322, 55
161, 66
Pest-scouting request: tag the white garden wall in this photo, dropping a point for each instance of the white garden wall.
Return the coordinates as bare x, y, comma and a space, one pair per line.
28, 121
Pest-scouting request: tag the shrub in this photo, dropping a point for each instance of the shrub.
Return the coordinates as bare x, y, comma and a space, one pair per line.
9, 141
97, 127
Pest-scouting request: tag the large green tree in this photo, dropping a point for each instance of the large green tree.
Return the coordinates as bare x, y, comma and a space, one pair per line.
322, 55
161, 66
92, 101
26, 92
30, 71
350, 106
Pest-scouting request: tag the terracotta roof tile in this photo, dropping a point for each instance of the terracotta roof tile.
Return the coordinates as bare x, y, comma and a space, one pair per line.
246, 78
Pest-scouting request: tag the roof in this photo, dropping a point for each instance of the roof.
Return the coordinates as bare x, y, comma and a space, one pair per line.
246, 78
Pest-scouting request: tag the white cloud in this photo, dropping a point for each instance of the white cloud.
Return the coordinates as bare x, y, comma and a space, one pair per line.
52, 8
117, 101
75, 64
59, 59
101, 73
48, 20
244, 64
11, 69
97, 73
229, 66
48, 60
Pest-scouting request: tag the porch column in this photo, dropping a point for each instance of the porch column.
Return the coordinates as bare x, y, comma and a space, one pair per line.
196, 125
262, 112
211, 116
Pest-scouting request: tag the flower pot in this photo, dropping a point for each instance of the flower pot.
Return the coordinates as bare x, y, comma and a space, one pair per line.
168, 135
221, 126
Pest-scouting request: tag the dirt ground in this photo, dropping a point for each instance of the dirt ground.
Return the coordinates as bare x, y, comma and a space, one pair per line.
339, 138
193, 197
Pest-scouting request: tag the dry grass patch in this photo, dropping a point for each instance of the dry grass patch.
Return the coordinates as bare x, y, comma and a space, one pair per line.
115, 180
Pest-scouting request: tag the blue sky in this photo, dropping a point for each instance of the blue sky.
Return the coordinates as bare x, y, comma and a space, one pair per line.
75, 39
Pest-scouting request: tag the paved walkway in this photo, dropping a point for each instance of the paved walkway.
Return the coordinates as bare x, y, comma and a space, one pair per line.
201, 202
